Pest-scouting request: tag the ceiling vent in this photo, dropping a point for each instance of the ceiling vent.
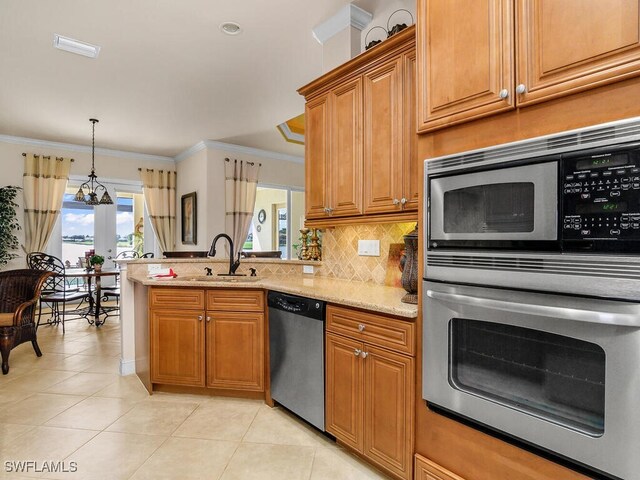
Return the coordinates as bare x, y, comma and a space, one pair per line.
75, 46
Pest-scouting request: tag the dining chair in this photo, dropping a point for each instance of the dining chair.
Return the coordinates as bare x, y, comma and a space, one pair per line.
19, 293
56, 291
147, 255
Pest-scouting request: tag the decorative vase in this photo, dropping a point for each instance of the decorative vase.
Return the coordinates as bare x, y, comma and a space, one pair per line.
409, 277
97, 267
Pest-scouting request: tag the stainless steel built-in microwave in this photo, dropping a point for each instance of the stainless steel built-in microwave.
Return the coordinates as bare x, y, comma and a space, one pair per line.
582, 198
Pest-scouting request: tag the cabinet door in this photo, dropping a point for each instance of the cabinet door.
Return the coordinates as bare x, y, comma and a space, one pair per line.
346, 149
388, 421
383, 138
465, 53
235, 350
412, 168
344, 401
573, 45
317, 144
177, 347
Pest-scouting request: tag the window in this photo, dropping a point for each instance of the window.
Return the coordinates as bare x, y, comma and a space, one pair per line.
77, 229
278, 217
107, 229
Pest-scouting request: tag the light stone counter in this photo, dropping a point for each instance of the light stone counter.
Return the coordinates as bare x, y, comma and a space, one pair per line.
368, 296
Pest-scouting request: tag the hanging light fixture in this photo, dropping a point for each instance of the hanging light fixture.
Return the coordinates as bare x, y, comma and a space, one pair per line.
93, 186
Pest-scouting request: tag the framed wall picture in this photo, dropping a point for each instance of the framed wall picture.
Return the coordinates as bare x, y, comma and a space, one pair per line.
189, 216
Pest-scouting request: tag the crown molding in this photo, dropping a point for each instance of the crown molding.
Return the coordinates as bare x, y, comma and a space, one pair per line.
190, 151
290, 136
349, 15
84, 149
257, 152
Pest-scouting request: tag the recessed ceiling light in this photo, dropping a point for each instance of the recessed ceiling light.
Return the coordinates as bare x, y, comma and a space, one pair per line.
75, 46
230, 28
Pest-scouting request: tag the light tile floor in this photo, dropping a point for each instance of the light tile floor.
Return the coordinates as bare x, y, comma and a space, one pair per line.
71, 405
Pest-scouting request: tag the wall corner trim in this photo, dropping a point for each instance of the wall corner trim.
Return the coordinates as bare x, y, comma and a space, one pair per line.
349, 15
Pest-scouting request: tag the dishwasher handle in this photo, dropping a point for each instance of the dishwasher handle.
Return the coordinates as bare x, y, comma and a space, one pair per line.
306, 307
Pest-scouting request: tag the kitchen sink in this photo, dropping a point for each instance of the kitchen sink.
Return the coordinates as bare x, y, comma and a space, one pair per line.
221, 278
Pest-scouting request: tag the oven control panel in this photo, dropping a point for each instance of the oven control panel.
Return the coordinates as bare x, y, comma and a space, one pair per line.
600, 195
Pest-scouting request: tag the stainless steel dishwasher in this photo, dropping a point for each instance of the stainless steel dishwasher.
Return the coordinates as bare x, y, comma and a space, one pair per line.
296, 353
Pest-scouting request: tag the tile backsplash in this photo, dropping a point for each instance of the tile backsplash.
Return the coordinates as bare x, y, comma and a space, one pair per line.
340, 257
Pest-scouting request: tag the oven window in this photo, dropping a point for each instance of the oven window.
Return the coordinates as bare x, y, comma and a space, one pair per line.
557, 378
499, 207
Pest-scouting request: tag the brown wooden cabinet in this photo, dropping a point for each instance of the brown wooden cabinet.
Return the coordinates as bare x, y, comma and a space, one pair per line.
370, 387
470, 66
235, 350
177, 338
212, 338
360, 151
428, 470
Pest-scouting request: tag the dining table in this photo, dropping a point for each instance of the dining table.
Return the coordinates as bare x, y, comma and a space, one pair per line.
94, 309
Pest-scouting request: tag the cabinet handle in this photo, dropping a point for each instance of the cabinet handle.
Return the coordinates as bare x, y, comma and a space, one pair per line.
199, 318
504, 93
364, 354
326, 210
361, 327
396, 201
208, 318
521, 88
357, 352
330, 211
403, 201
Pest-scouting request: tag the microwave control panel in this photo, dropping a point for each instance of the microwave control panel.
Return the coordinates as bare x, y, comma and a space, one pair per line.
601, 196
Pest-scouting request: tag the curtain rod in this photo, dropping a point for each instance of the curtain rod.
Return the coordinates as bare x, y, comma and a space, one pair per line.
47, 156
247, 162
152, 170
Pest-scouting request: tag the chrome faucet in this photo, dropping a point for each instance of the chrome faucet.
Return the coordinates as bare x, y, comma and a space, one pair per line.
233, 266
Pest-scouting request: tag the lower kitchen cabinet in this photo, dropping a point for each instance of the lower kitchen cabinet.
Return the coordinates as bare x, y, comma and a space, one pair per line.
370, 390
214, 340
177, 347
235, 350
428, 470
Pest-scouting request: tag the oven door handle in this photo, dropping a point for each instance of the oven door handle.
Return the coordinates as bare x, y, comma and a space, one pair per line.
622, 319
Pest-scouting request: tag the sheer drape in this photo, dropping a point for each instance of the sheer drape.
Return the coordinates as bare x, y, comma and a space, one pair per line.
44, 182
241, 183
159, 187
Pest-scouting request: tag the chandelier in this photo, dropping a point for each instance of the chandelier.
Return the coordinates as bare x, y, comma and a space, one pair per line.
93, 186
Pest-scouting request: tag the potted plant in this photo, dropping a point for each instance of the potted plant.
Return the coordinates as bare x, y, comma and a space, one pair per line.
96, 262
8, 224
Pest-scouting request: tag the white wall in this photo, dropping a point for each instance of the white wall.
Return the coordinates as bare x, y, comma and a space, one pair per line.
205, 170
108, 167
192, 176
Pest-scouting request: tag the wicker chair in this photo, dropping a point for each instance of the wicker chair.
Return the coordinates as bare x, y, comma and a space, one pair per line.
19, 293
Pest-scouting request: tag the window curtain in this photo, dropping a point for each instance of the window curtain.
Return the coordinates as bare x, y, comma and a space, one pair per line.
159, 188
241, 183
44, 182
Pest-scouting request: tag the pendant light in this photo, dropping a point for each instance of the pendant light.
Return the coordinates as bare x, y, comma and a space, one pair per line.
93, 186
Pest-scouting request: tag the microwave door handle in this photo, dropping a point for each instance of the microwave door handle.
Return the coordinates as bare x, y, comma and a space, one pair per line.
579, 315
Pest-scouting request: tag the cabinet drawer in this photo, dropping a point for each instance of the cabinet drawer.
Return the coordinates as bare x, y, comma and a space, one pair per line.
235, 300
428, 470
176, 298
374, 329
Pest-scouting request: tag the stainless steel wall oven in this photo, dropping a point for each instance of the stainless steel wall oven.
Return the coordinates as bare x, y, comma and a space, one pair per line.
532, 293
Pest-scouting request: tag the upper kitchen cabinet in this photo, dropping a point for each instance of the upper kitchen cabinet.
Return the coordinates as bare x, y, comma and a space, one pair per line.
465, 60
570, 46
360, 148
470, 67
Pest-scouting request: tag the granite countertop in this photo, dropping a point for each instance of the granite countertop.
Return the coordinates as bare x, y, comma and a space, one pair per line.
368, 296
